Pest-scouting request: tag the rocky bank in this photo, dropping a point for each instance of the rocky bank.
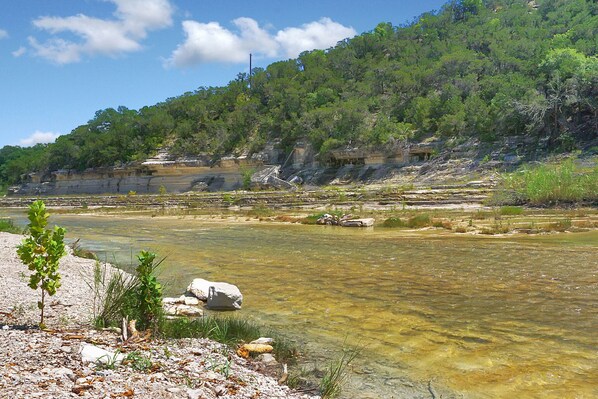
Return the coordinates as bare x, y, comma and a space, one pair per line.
49, 363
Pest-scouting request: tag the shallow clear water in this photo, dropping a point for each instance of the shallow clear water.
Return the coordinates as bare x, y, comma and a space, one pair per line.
486, 317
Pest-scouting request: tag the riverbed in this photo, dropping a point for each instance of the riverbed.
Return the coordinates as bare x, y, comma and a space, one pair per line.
486, 317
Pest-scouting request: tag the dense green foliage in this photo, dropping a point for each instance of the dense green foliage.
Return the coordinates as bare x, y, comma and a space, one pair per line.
485, 69
41, 252
558, 183
133, 297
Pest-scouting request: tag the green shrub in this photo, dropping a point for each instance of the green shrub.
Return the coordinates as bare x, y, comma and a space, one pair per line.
393, 222
246, 178
419, 221
41, 252
147, 298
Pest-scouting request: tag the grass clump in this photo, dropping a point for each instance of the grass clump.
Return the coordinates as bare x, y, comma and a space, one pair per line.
82, 252
419, 221
230, 331
549, 185
335, 374
511, 210
138, 361
393, 222
121, 295
414, 222
8, 226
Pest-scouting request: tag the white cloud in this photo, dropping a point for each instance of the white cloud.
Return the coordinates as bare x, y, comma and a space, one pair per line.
320, 34
39, 137
210, 42
3, 34
134, 18
19, 52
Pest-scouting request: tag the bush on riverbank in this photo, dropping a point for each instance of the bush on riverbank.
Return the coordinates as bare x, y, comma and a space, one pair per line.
133, 297
415, 222
8, 226
549, 184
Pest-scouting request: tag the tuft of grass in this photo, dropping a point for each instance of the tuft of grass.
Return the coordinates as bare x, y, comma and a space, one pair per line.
229, 331
335, 374
8, 226
82, 252
138, 361
560, 225
511, 210
111, 296
393, 222
260, 211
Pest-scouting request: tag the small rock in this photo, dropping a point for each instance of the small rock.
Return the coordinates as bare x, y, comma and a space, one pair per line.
195, 394
263, 341
245, 350
267, 358
183, 310
191, 301
93, 354
172, 301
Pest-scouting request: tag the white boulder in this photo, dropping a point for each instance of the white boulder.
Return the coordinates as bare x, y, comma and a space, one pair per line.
200, 288
224, 296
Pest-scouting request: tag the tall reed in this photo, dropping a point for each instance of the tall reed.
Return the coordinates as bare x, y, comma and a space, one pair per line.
550, 184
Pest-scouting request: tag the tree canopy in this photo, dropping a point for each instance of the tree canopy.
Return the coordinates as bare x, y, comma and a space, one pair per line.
475, 68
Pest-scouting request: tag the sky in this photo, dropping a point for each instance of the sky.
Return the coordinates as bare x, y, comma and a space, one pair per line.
63, 60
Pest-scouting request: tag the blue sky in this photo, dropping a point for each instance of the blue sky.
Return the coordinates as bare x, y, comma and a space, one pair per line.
63, 60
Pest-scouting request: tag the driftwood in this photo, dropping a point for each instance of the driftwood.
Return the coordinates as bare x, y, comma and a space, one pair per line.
345, 221
285, 375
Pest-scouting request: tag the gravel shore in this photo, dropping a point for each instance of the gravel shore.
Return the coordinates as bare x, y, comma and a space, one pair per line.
48, 364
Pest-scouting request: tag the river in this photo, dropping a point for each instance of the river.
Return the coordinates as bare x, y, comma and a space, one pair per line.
486, 317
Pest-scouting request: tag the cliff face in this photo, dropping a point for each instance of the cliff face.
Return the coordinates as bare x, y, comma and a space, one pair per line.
424, 163
173, 178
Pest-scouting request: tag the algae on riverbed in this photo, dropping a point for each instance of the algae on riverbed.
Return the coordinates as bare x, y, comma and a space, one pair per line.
494, 316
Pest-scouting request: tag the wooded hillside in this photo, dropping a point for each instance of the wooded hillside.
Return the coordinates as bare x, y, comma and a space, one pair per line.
476, 68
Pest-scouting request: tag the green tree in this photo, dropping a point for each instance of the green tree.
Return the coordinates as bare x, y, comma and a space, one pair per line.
41, 252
